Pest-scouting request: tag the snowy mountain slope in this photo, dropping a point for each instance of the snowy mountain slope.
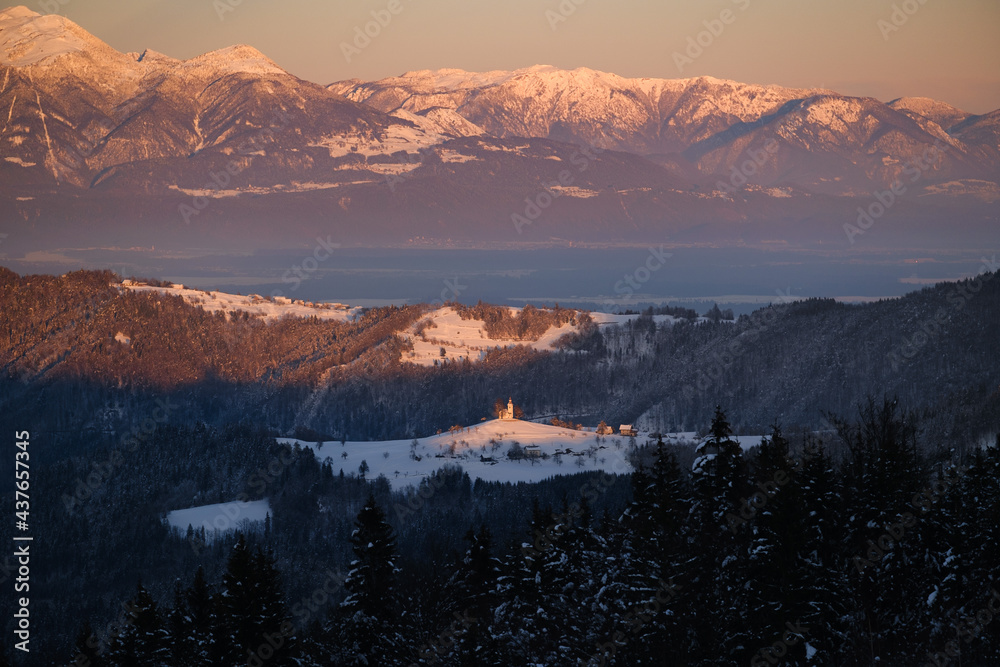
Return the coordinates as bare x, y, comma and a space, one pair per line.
231, 122
83, 112
942, 113
584, 105
27, 38
712, 122
214, 149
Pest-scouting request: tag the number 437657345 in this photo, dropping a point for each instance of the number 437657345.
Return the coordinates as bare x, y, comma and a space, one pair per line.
22, 475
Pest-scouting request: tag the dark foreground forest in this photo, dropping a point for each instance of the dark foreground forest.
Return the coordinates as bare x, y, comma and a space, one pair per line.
854, 551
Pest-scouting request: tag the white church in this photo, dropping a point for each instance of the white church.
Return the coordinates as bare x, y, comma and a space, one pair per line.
508, 414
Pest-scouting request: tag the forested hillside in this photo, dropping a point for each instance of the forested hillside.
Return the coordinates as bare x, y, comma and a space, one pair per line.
937, 349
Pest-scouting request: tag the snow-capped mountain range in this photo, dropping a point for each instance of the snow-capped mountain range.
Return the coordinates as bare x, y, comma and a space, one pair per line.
228, 141
708, 121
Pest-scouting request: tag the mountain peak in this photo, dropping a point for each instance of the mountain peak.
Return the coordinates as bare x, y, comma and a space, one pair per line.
27, 37
941, 113
30, 38
236, 58
19, 11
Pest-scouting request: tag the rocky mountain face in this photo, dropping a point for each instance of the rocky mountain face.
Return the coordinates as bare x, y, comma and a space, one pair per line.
99, 146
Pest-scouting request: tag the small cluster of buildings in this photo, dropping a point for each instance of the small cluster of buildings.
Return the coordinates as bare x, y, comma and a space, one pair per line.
507, 414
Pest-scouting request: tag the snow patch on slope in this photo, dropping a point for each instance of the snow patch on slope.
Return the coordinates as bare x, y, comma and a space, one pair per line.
254, 304
294, 186
987, 191
464, 339
417, 132
397, 137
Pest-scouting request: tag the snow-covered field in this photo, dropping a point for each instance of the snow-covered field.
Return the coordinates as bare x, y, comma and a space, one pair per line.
254, 304
220, 517
483, 452
464, 339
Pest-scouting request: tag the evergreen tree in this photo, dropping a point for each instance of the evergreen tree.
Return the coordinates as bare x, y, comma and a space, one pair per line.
774, 528
650, 565
883, 534
371, 581
273, 623
202, 623
143, 641
251, 608
819, 576
182, 649
370, 628
236, 621
963, 505
473, 597
719, 573
528, 618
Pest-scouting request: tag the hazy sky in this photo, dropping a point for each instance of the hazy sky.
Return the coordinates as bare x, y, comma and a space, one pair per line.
946, 49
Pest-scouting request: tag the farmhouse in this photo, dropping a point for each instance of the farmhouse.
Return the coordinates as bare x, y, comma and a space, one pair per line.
626, 429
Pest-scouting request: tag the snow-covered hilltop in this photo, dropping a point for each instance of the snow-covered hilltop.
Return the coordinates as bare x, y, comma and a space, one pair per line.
498, 450
495, 450
444, 336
